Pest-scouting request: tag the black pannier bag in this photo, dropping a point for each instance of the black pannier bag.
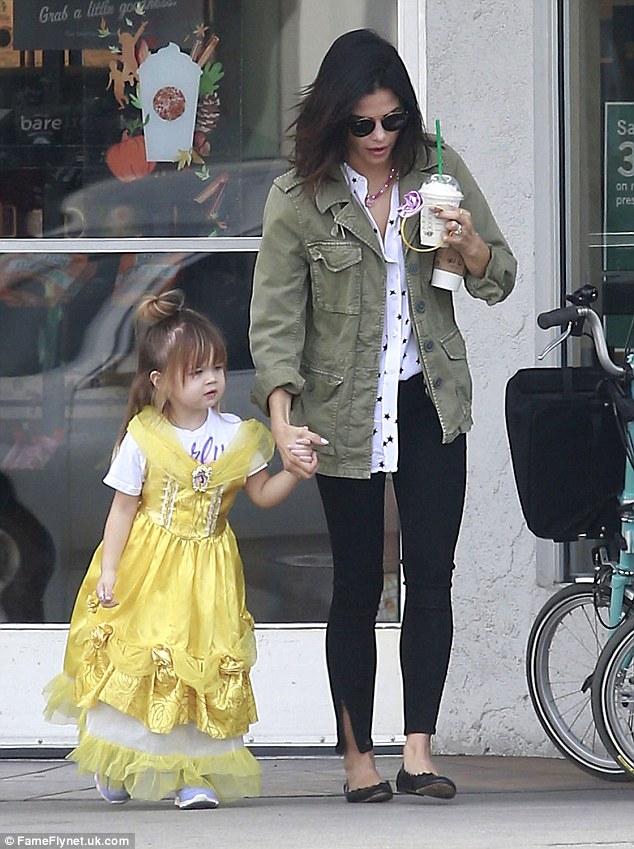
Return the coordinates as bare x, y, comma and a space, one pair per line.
568, 455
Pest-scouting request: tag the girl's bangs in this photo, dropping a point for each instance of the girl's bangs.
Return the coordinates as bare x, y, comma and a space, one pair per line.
199, 350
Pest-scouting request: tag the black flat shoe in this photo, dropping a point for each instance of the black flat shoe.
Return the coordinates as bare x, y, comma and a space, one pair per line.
425, 784
381, 792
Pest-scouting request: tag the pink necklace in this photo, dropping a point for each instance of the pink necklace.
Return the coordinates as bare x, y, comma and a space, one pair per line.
370, 200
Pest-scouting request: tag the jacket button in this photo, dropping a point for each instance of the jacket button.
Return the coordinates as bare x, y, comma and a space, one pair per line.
413, 268
420, 306
309, 385
429, 345
438, 383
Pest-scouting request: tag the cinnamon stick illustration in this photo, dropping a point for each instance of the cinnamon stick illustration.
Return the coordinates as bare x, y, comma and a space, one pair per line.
208, 51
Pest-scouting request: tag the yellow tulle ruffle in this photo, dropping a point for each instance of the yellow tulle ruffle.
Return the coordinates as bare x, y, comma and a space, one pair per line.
233, 775
60, 707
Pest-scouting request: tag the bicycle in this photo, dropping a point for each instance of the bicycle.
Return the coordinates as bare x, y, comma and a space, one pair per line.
570, 631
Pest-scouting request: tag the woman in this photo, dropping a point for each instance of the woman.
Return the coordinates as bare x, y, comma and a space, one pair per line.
353, 344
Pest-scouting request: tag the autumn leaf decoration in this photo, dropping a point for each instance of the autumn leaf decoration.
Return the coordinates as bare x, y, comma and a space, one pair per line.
186, 157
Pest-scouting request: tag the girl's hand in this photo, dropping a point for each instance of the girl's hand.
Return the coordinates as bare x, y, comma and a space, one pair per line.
461, 235
105, 589
295, 445
310, 463
302, 448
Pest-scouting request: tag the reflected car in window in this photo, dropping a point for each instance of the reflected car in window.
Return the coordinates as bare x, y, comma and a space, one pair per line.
66, 362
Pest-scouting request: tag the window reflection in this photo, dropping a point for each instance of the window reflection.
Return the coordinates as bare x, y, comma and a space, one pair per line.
71, 167
67, 360
598, 119
83, 152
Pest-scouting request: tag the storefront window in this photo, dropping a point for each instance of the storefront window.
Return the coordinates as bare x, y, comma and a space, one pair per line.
597, 111
138, 119
597, 98
88, 153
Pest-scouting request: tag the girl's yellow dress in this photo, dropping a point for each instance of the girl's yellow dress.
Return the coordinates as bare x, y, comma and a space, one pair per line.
159, 685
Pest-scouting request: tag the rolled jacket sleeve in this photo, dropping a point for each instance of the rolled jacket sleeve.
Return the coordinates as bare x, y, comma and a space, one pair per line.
278, 302
500, 273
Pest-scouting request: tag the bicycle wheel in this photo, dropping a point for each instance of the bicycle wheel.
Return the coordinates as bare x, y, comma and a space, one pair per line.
613, 696
563, 649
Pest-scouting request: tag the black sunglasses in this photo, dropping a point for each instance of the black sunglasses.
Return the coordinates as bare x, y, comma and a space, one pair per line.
391, 123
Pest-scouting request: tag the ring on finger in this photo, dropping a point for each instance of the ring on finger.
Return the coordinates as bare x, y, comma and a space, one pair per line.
458, 230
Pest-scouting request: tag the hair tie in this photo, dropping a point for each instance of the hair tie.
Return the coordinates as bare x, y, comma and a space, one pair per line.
418, 250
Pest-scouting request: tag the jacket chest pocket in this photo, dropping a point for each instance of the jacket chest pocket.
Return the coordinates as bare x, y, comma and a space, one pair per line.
336, 273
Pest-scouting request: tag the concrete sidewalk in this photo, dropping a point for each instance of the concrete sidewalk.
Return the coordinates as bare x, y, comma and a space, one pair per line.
502, 803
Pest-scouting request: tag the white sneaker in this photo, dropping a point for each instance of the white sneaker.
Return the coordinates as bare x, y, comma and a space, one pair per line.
196, 798
115, 797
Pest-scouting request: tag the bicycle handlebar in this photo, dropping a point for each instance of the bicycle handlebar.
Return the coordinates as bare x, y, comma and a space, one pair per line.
561, 316
568, 315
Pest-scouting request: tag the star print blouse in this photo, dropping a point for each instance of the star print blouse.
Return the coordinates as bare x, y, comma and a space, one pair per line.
399, 359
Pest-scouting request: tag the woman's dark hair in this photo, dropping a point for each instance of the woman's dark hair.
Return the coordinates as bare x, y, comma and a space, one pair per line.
357, 64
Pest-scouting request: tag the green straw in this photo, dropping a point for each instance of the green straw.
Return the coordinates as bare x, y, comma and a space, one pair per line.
438, 147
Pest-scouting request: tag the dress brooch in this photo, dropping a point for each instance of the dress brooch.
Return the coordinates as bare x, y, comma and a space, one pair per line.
201, 477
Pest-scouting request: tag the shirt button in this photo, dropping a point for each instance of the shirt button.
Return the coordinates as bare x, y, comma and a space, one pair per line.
429, 345
420, 306
438, 383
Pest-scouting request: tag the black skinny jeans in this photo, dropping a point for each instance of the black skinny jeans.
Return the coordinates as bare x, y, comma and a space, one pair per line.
429, 488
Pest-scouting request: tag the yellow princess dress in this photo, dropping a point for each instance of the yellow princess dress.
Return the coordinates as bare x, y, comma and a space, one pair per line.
159, 685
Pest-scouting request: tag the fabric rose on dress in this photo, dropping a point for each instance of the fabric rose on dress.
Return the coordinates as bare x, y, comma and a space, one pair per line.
230, 666
162, 659
234, 691
412, 203
100, 635
92, 603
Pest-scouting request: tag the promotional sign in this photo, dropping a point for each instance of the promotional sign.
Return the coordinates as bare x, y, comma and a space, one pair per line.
618, 187
85, 24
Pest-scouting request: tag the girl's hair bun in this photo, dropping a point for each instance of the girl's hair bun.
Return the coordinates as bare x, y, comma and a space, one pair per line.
155, 308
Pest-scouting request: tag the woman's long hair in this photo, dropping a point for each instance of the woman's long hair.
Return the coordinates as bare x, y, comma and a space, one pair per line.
357, 64
174, 341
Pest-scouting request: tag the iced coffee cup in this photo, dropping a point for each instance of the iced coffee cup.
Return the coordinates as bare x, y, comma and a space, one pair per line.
449, 269
439, 191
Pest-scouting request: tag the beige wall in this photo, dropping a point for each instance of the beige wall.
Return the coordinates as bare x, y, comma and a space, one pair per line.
481, 82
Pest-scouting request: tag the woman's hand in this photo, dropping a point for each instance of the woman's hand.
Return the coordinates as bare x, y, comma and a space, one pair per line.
461, 235
295, 444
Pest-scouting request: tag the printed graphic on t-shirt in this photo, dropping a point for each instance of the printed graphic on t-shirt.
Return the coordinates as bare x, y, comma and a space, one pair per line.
208, 452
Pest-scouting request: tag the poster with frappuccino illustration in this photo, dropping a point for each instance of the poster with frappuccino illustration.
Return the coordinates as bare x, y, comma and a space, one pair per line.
169, 99
168, 91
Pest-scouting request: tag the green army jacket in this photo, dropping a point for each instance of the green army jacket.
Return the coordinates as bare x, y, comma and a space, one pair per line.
318, 304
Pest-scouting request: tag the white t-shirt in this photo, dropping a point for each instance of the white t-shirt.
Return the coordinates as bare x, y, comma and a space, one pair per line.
205, 444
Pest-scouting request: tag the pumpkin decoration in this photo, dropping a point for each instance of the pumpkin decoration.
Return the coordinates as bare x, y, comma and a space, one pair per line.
127, 160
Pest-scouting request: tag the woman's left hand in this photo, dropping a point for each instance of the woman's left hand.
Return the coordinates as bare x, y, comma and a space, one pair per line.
460, 234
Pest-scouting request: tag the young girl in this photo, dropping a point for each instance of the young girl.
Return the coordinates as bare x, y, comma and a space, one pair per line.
157, 662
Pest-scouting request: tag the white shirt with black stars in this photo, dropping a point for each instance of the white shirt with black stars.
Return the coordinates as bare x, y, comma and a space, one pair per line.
399, 358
